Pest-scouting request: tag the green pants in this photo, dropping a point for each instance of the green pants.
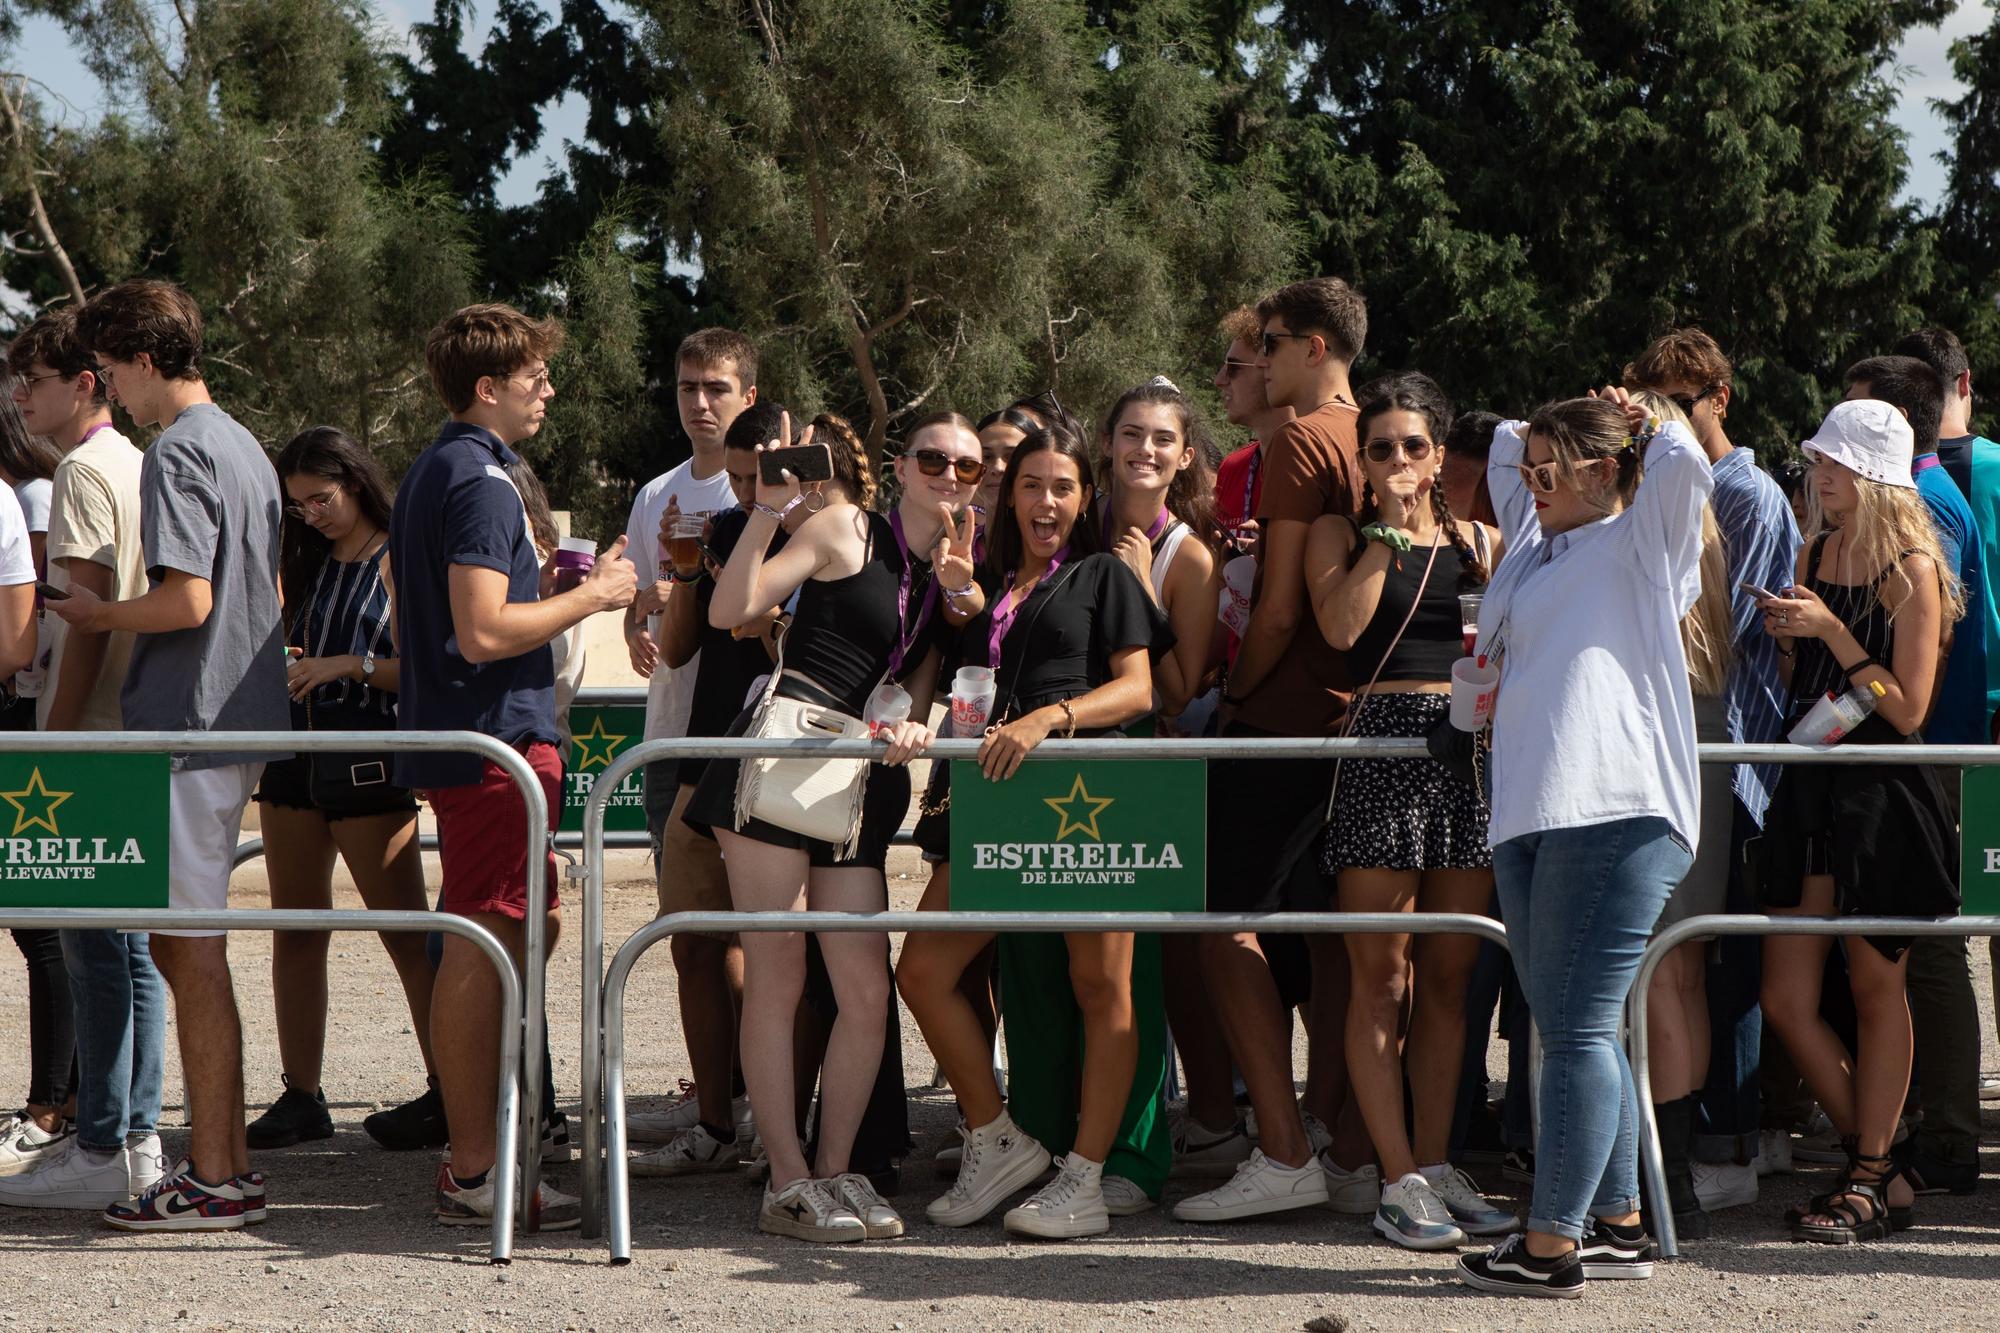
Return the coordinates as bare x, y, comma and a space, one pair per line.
1045, 1055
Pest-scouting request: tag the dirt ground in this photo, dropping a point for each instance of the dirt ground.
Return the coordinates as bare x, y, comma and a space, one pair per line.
350, 1242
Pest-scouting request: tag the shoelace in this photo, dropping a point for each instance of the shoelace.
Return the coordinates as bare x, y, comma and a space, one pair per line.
1457, 1189
856, 1185
968, 1166
1062, 1189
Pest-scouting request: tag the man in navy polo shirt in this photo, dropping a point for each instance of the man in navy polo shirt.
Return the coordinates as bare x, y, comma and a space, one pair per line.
474, 632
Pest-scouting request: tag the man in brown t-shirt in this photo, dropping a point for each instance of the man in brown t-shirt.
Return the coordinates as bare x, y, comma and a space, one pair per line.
1287, 681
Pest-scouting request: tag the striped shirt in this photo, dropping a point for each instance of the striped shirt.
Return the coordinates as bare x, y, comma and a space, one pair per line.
348, 613
1761, 539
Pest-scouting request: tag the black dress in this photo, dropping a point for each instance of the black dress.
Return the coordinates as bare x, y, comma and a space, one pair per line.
1881, 831
843, 634
1059, 647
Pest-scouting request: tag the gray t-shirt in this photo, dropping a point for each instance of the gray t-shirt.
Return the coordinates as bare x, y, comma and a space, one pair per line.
209, 506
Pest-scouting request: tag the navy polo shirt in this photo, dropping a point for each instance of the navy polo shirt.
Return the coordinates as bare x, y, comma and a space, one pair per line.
457, 506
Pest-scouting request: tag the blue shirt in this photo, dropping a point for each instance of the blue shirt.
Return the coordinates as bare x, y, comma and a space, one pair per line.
1973, 462
1761, 541
456, 506
1959, 717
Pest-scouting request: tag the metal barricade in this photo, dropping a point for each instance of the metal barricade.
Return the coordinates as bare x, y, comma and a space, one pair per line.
1652, 1162
522, 1003
252, 849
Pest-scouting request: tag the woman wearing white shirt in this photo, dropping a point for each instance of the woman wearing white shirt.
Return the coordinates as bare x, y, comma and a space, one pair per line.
1595, 803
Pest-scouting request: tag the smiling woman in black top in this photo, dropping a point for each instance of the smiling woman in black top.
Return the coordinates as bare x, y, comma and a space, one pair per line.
1068, 630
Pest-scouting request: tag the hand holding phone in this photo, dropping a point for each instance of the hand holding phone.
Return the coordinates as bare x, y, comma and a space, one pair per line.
806, 462
51, 593
1761, 594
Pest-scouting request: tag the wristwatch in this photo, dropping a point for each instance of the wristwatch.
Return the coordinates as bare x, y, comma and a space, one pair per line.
368, 666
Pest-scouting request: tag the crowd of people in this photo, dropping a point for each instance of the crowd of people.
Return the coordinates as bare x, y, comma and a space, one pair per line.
1639, 583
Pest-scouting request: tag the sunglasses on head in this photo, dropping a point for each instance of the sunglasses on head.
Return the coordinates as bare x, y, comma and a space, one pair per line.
1415, 448
933, 462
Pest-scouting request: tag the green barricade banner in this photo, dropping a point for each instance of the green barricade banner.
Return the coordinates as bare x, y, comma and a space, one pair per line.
83, 830
1979, 841
1093, 836
601, 734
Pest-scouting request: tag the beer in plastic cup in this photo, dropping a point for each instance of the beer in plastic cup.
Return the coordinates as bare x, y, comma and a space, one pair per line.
1473, 686
684, 543
972, 693
1468, 619
574, 558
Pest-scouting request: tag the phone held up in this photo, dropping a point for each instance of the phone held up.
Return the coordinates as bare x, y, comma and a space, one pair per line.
806, 462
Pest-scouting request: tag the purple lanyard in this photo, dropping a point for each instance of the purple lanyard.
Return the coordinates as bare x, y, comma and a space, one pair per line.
1003, 614
1158, 526
91, 433
906, 634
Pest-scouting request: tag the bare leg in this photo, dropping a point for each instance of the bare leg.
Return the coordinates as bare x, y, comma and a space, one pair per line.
1246, 999
1100, 973
1379, 973
1793, 965
298, 856
930, 975
1882, 1071
764, 878
1677, 1023
211, 1039
381, 853
1436, 1048
858, 967
708, 1019
1197, 1036
465, 1038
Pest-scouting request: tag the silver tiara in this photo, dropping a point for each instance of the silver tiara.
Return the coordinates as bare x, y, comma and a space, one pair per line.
1162, 382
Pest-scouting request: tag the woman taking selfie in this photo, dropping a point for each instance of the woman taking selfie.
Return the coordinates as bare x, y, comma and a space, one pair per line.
1594, 792
865, 614
1868, 613
1406, 835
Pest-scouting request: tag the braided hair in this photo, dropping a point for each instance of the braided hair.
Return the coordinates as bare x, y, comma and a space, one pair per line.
850, 457
1413, 391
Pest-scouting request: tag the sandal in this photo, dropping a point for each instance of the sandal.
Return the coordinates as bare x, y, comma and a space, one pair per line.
1819, 1203
1861, 1212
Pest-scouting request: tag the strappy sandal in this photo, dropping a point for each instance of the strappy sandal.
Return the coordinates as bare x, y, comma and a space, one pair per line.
1819, 1203
1862, 1212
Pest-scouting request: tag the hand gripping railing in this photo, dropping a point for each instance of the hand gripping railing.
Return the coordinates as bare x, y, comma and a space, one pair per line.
1702, 927
521, 1018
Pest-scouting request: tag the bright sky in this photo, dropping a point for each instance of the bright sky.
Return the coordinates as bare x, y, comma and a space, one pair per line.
1925, 75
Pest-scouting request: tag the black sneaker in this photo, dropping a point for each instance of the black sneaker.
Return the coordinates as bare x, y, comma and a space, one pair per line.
294, 1118
1519, 1164
415, 1124
1509, 1270
1614, 1253
555, 1139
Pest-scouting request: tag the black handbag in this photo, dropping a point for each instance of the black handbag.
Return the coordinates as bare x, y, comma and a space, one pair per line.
340, 778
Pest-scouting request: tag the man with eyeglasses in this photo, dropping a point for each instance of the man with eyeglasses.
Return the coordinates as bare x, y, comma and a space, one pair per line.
1761, 543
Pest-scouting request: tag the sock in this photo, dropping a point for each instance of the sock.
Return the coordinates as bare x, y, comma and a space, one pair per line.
467, 1182
720, 1133
1435, 1171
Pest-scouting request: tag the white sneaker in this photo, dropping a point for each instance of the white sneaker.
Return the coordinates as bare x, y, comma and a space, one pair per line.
1259, 1186
1203, 1153
807, 1210
1351, 1193
146, 1162
25, 1143
1774, 1153
999, 1159
692, 1152
1411, 1215
683, 1114
1474, 1213
1720, 1185
70, 1178
757, 1165
1819, 1141
1123, 1198
1989, 1088
1071, 1205
1318, 1136
855, 1194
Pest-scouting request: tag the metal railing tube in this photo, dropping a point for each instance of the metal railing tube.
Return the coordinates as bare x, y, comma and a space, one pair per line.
617, 1178
252, 849
1652, 1163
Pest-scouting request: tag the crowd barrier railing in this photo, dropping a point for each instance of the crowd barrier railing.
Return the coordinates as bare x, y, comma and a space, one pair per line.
517, 1006
252, 849
1652, 1162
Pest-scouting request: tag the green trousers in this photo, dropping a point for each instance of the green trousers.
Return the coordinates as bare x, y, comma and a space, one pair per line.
1045, 1055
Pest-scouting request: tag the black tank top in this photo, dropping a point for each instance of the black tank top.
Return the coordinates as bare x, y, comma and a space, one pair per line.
1859, 606
1434, 639
845, 630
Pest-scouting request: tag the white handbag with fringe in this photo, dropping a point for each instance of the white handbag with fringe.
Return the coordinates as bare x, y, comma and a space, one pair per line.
818, 798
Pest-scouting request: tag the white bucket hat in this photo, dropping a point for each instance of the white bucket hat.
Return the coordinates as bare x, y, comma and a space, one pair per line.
1869, 438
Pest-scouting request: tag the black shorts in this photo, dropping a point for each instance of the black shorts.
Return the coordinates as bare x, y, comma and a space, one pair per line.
287, 784
1255, 806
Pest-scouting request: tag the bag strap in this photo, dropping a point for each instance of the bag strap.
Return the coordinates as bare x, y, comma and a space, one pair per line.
1361, 695
1052, 587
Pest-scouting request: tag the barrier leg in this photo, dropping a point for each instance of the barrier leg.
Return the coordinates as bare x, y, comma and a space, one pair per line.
617, 1179
591, 883
508, 1093
1652, 1163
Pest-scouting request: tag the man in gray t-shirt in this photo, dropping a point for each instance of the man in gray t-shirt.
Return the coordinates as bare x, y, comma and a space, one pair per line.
206, 656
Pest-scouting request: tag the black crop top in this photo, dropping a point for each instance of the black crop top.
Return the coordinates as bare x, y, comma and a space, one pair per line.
1815, 670
844, 630
1435, 637
1064, 634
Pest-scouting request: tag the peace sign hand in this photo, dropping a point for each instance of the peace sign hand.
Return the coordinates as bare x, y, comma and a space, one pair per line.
951, 558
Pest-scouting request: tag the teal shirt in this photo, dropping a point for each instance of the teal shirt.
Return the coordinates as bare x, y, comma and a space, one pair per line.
1973, 462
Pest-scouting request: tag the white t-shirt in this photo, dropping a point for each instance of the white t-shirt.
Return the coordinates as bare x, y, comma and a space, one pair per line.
670, 693
95, 517
34, 497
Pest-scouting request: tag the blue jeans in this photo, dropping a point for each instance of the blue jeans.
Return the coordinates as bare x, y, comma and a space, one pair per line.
121, 1035
1580, 905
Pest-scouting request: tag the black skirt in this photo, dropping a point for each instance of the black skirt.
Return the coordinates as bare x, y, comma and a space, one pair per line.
1883, 832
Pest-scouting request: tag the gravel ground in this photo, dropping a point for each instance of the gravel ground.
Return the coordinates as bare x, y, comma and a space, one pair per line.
350, 1242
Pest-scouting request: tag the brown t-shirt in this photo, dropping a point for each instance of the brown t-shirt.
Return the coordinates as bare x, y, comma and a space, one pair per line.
1310, 469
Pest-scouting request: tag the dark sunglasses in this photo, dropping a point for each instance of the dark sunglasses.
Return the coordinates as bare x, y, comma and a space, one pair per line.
1686, 401
1416, 448
1231, 369
1270, 343
933, 462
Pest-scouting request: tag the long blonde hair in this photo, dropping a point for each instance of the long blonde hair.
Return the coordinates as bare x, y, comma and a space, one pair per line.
1707, 630
1888, 523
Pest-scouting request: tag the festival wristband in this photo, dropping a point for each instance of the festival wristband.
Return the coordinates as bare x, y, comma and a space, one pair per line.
780, 514
966, 591
1862, 665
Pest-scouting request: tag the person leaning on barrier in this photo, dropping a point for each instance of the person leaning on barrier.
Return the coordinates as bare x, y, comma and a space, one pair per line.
463, 557
208, 655
1873, 601
1594, 789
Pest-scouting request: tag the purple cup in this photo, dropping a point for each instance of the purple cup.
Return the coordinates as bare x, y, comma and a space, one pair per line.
575, 557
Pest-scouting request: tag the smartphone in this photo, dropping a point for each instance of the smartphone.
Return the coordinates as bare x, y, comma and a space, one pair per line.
806, 463
51, 593
1761, 594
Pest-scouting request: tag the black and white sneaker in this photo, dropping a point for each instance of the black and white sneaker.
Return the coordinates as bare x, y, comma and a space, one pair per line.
1613, 1253
1509, 1270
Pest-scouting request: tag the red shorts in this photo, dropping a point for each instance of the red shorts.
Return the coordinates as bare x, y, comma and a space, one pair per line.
483, 837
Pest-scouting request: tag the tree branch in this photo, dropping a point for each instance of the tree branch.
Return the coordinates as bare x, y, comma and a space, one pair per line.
10, 109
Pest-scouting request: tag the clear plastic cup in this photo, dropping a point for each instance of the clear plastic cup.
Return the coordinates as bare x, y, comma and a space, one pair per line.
1468, 619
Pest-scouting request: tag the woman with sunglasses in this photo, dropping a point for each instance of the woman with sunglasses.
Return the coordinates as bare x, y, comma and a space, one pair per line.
866, 614
1406, 834
343, 677
1595, 793
1069, 633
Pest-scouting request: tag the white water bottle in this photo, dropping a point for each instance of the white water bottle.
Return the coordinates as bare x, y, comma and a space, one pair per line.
1836, 714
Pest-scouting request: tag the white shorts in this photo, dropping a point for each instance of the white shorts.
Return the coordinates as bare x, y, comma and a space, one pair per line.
205, 819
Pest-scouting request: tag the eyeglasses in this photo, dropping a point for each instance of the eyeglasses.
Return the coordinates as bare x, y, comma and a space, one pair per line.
103, 374
537, 381
30, 381
1231, 369
1270, 342
933, 462
314, 505
1416, 448
1686, 401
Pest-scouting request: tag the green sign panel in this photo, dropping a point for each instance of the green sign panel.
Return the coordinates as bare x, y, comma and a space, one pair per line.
83, 830
1979, 842
602, 734
1081, 837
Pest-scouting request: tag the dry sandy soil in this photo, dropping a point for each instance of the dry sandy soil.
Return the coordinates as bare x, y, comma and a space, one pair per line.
350, 1242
